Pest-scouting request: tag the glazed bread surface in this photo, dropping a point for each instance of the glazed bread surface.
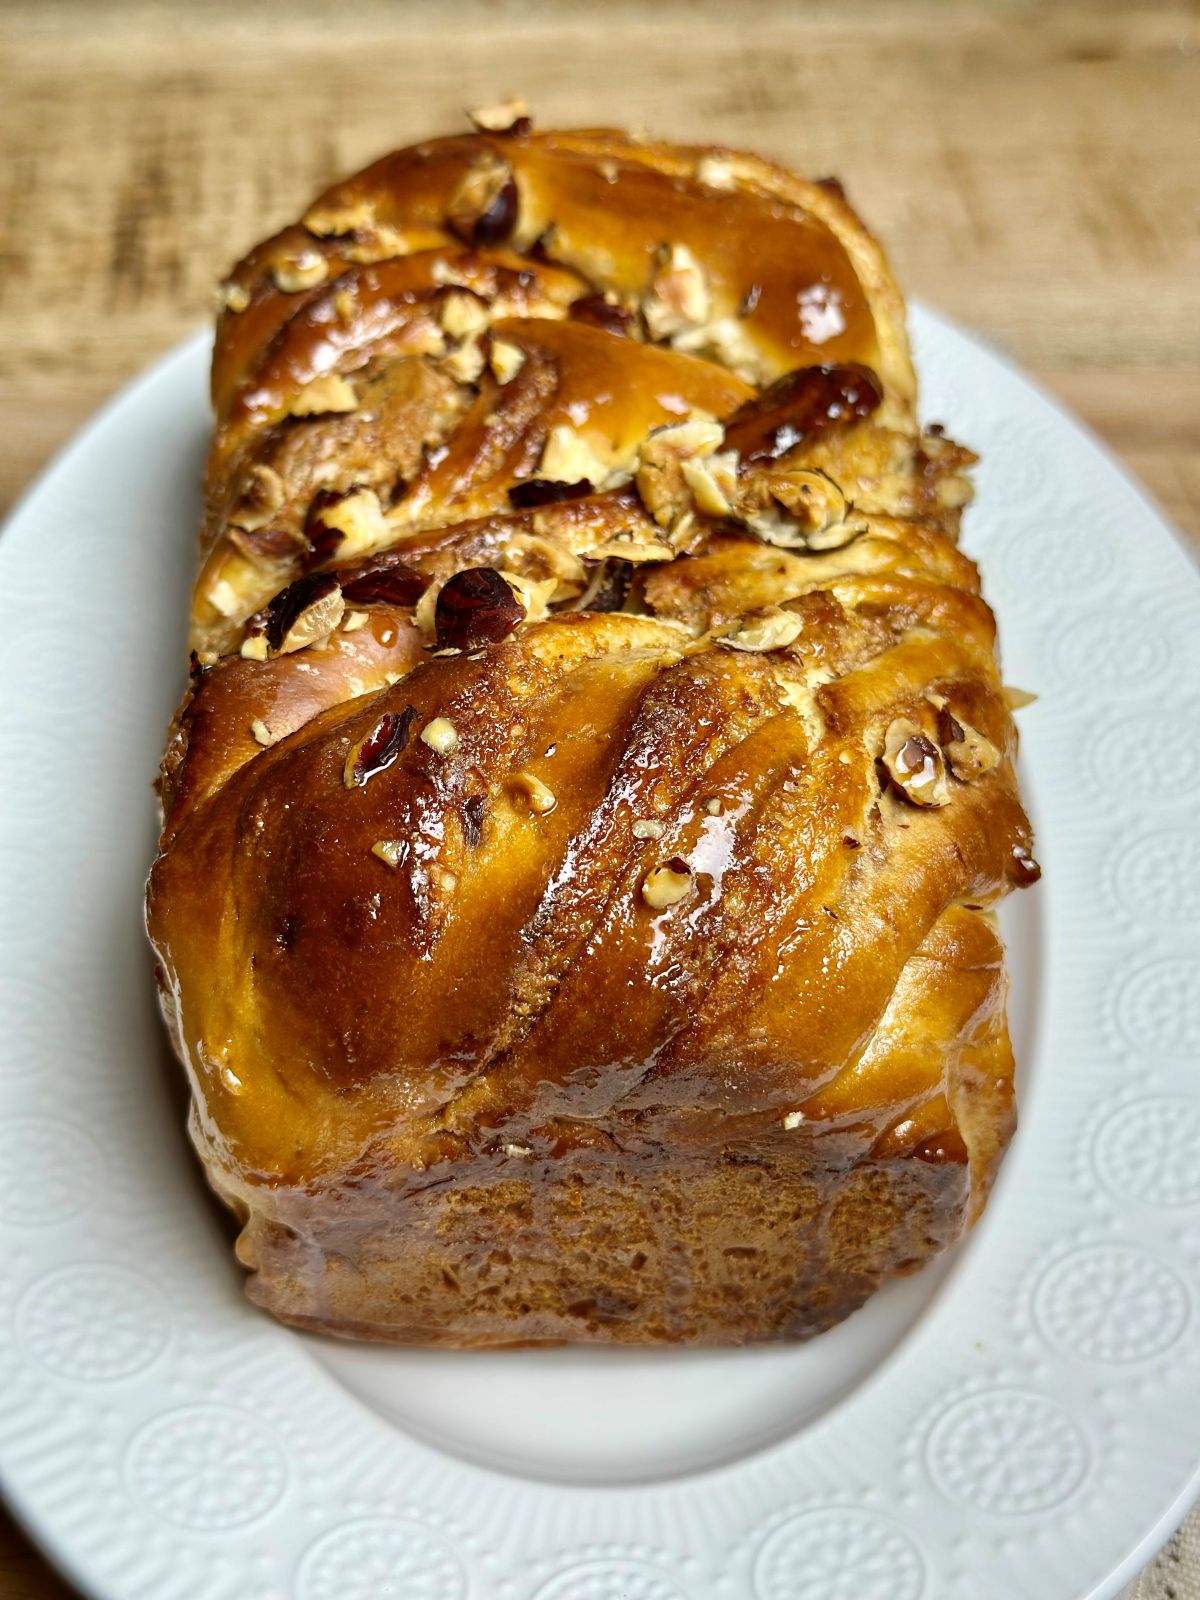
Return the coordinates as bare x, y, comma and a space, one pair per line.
581, 833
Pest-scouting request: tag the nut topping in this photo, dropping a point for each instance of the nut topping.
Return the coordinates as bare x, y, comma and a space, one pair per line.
379, 748
799, 406
678, 296
352, 218
914, 764
304, 613
506, 360
770, 629
232, 297
713, 482
346, 522
667, 885
324, 396
441, 736
466, 363
569, 458
475, 607
305, 270
390, 851
483, 208
462, 313
647, 828
540, 799
260, 495
970, 755
509, 116
660, 478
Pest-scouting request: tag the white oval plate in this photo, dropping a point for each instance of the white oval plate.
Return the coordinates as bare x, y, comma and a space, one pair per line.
1022, 1420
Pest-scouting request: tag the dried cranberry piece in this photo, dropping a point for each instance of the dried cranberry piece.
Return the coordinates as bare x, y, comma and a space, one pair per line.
496, 223
473, 808
296, 598
474, 608
382, 745
801, 405
386, 582
546, 492
598, 312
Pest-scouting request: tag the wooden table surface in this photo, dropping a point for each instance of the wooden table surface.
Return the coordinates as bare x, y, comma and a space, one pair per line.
1032, 168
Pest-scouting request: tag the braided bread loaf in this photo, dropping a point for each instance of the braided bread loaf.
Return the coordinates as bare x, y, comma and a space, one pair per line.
580, 830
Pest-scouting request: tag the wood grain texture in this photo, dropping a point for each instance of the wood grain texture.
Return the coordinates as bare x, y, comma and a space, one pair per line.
1031, 167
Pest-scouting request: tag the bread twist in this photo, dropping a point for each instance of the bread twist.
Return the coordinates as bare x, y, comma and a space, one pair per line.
582, 823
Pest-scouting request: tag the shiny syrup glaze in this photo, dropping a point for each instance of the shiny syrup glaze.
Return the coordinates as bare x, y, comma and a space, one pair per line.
449, 954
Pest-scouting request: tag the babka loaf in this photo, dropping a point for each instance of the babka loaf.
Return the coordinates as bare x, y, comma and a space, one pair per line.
582, 829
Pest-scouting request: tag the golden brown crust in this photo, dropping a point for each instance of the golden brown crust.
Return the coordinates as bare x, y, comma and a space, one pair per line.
662, 915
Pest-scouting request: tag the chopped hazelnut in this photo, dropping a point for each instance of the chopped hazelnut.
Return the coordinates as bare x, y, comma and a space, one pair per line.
568, 458
771, 629
968, 752
647, 828
1018, 699
517, 1151
262, 733
505, 117
462, 313
354, 620
660, 478
305, 270
324, 395
232, 297
350, 524
254, 647
483, 208
304, 613
466, 363
389, 851
223, 597
540, 800
915, 765
678, 296
667, 885
260, 495
354, 217
506, 359
713, 806
441, 736
792, 1119
713, 482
